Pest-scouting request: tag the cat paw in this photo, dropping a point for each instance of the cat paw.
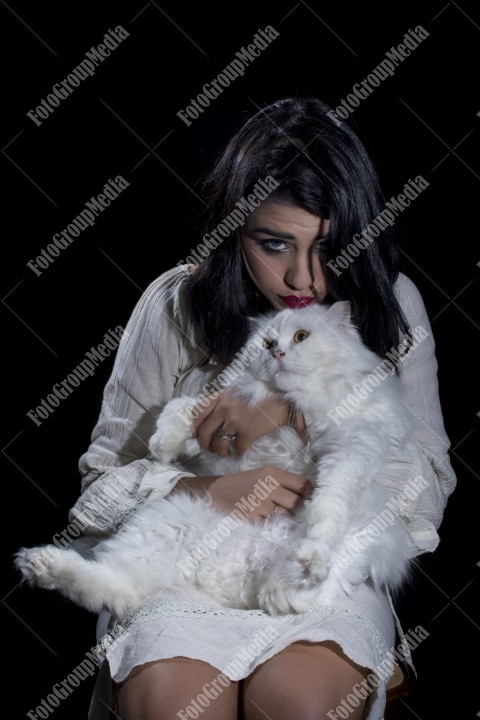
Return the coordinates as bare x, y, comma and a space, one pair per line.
313, 558
350, 577
166, 444
331, 590
279, 599
120, 608
164, 455
174, 429
35, 564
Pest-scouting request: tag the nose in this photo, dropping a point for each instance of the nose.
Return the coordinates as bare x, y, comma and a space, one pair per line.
300, 275
278, 354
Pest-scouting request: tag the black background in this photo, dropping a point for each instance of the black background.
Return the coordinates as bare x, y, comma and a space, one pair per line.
423, 120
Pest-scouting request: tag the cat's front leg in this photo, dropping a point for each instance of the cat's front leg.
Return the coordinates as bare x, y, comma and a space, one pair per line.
344, 471
324, 530
174, 429
339, 486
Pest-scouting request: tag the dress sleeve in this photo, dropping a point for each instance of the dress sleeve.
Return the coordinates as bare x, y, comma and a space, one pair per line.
427, 451
117, 473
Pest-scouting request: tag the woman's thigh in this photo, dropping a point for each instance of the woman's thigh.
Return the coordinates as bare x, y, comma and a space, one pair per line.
165, 690
305, 680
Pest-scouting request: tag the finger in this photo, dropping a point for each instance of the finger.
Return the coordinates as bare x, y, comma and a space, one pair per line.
204, 411
286, 499
222, 446
214, 402
308, 488
241, 444
296, 483
275, 511
206, 432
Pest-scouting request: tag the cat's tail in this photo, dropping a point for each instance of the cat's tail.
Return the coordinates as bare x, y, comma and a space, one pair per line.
90, 584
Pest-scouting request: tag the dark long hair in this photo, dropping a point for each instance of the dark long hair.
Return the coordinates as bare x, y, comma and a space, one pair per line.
324, 169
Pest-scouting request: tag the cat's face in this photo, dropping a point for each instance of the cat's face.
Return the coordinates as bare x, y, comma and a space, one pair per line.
302, 342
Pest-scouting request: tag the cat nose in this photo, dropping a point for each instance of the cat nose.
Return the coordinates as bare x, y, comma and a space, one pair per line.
278, 354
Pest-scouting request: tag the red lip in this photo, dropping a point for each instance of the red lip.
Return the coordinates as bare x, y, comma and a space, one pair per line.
294, 302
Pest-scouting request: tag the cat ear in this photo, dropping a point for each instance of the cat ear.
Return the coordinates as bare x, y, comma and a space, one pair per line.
340, 312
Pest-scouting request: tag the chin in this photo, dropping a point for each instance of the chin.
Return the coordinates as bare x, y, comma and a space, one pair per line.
287, 380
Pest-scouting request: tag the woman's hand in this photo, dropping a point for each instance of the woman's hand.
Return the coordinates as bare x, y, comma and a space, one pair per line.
260, 491
247, 423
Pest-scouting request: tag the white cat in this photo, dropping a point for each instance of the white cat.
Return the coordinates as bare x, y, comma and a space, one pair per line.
314, 358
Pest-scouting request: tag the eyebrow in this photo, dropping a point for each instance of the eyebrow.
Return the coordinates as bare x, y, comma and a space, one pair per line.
283, 236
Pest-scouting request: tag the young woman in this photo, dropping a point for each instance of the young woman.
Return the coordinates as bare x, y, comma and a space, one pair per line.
294, 218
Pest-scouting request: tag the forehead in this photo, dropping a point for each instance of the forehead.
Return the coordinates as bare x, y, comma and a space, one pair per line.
276, 215
308, 318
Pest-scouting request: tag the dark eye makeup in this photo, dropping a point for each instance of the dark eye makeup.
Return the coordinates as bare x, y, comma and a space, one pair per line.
268, 246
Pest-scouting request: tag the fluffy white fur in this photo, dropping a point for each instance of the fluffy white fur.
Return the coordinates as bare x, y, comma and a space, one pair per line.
284, 563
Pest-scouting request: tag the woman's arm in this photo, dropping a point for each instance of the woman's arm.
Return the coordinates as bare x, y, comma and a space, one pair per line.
117, 473
281, 491
427, 451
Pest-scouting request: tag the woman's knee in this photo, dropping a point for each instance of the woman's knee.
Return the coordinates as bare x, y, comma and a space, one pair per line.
177, 688
313, 704
307, 681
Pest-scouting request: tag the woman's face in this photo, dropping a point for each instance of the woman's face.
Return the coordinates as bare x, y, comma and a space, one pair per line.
282, 250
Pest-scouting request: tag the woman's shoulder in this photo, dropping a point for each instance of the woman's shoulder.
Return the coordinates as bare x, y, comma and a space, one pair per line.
168, 291
165, 304
171, 281
405, 287
409, 298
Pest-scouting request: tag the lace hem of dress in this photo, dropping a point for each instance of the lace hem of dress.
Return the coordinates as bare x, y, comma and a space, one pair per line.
154, 610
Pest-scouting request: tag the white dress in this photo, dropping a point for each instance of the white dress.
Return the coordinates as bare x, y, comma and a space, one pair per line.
160, 357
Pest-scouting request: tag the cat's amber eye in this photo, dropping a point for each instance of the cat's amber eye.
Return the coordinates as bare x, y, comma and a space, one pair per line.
268, 343
300, 336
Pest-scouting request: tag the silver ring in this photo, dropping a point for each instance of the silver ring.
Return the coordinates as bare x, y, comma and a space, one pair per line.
225, 436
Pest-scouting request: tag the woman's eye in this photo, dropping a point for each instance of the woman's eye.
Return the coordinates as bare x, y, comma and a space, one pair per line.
300, 336
273, 245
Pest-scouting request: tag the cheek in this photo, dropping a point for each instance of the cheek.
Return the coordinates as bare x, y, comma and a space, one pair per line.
301, 357
321, 277
320, 265
266, 269
295, 358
